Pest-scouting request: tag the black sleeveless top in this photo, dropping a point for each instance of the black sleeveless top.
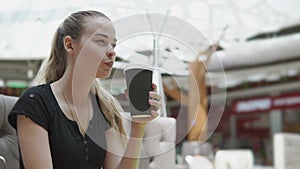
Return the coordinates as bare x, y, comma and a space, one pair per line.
69, 148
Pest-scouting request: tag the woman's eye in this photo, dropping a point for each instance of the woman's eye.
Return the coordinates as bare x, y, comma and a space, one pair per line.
101, 41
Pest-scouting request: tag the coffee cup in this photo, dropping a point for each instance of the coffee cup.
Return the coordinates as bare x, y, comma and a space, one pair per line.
139, 83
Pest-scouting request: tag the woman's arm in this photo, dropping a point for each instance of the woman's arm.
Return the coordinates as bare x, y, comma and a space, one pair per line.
117, 157
34, 144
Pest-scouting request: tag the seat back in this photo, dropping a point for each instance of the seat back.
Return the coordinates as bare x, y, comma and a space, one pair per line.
234, 159
159, 144
286, 150
8, 137
195, 148
198, 162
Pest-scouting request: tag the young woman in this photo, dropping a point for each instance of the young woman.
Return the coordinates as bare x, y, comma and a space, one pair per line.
68, 121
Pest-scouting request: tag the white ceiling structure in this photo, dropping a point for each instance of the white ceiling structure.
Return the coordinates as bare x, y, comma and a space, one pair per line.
27, 28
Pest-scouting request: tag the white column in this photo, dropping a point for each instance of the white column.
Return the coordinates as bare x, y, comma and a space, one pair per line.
275, 121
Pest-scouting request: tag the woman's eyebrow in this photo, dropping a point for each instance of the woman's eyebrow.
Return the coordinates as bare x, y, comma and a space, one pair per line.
104, 35
101, 34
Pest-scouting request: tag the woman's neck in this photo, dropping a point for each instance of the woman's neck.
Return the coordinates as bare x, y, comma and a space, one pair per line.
76, 85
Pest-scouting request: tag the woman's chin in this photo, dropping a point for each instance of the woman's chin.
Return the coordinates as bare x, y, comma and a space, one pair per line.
103, 75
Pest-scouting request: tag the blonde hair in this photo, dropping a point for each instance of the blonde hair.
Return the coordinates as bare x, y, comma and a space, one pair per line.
53, 68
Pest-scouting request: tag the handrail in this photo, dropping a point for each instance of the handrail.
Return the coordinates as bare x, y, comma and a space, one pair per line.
2, 159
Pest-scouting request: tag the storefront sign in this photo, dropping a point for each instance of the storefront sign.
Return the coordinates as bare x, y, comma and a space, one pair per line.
264, 104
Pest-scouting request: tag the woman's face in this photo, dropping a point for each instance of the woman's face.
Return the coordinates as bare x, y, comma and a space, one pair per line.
95, 51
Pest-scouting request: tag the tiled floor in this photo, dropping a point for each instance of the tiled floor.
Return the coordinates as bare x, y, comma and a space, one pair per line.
182, 166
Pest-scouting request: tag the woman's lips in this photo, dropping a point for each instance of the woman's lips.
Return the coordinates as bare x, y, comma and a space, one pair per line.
109, 64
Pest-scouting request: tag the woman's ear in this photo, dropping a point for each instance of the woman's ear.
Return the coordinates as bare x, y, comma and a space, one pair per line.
68, 45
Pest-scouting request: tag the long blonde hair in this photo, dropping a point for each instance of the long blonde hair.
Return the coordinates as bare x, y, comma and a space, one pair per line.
53, 69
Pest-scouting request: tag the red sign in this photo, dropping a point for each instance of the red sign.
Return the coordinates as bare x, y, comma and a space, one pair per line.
267, 103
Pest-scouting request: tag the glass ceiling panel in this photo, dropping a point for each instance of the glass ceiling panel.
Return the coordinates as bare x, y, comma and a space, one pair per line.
27, 26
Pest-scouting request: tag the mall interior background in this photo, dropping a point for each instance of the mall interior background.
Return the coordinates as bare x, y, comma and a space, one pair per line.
262, 75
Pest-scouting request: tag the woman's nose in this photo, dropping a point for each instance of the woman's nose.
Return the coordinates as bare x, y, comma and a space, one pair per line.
111, 52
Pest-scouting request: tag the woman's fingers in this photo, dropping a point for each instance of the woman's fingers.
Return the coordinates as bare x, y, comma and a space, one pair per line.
154, 86
155, 104
154, 100
126, 93
154, 114
154, 96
